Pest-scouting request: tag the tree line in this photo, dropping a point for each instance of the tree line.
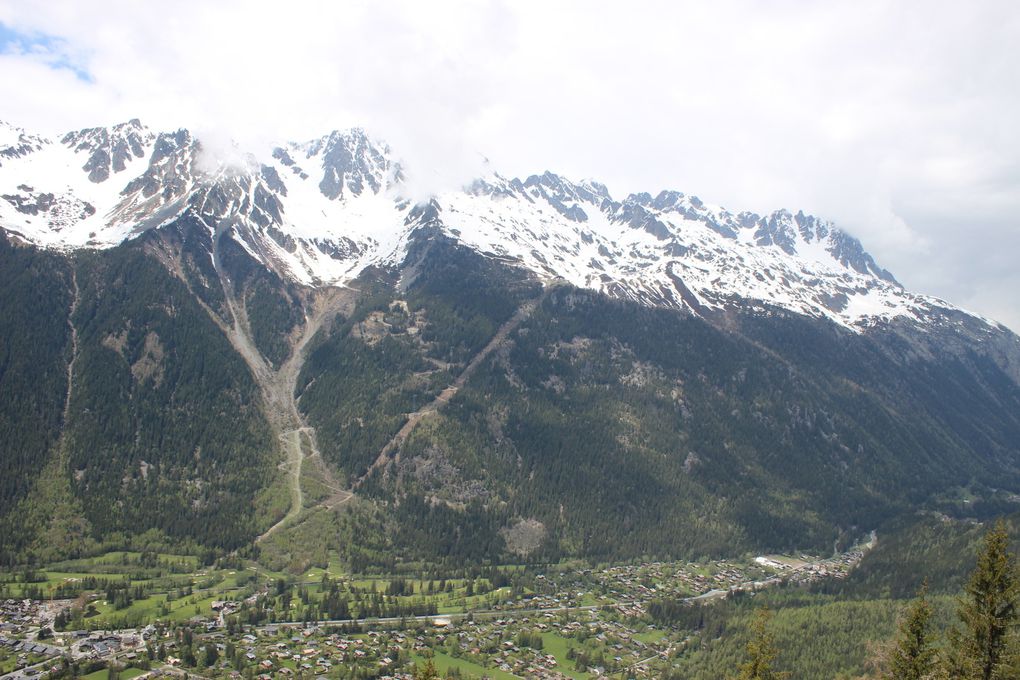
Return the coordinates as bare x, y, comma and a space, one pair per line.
983, 643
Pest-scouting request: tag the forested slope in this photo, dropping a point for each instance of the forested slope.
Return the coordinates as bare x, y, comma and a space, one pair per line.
599, 427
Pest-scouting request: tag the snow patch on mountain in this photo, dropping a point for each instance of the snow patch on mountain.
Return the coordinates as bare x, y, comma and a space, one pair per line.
320, 212
675, 249
47, 198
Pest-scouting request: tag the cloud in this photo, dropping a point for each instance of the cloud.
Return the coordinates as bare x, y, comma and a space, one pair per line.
896, 120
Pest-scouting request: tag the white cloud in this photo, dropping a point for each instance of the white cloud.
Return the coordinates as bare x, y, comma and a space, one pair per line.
895, 119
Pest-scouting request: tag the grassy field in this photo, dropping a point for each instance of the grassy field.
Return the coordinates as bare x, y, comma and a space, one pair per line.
178, 587
333, 569
170, 595
445, 662
557, 646
111, 566
650, 636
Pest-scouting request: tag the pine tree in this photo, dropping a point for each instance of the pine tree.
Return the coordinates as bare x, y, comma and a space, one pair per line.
980, 649
762, 651
912, 656
212, 655
426, 671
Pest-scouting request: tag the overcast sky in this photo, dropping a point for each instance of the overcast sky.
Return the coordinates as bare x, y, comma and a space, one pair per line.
897, 120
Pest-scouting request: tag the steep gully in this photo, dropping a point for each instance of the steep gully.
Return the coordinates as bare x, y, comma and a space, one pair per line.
278, 385
75, 301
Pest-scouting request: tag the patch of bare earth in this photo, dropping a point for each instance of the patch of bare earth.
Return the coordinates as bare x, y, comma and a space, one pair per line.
524, 537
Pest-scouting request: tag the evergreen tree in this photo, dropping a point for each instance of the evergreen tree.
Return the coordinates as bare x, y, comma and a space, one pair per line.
212, 655
913, 657
980, 649
762, 651
427, 671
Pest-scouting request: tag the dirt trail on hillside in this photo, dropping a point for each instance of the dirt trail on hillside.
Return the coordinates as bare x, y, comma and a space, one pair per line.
291, 441
391, 451
75, 301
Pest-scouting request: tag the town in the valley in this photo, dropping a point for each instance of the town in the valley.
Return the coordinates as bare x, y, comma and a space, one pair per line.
131, 615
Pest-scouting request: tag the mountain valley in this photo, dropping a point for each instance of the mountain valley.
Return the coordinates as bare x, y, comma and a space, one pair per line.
289, 358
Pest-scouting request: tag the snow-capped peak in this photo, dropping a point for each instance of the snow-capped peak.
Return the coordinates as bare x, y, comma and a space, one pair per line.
109, 150
347, 163
16, 143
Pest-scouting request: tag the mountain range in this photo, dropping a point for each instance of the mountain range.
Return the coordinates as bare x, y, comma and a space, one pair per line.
318, 213
288, 355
